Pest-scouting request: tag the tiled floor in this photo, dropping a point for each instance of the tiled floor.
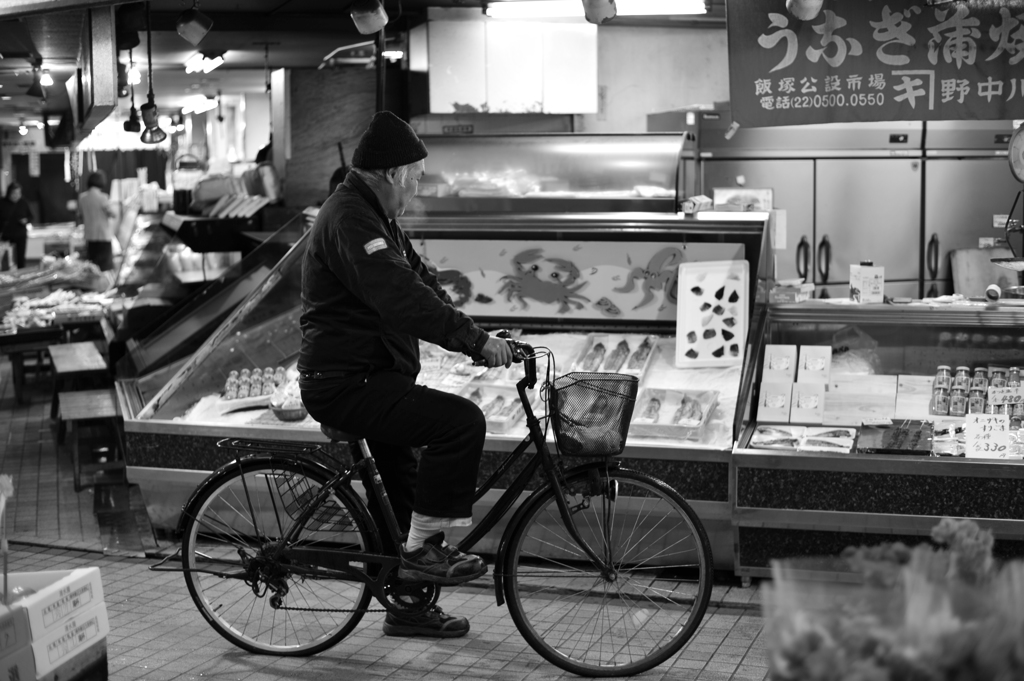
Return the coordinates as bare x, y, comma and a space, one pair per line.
157, 633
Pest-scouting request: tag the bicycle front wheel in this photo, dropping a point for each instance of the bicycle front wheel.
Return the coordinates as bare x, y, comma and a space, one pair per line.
620, 621
262, 593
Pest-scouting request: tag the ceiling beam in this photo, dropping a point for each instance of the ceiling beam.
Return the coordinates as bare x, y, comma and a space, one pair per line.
246, 22
12, 9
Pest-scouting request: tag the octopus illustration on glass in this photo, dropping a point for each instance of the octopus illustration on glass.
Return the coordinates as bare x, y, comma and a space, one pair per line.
660, 274
544, 280
712, 313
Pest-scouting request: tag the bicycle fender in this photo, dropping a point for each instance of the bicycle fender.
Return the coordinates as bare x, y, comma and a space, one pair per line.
229, 469
499, 560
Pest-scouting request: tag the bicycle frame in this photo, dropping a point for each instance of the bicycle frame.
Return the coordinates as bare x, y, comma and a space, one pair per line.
340, 559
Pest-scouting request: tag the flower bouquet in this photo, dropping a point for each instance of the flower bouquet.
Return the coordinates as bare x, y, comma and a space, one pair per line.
895, 613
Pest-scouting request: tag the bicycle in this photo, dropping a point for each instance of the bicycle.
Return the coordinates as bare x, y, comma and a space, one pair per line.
606, 571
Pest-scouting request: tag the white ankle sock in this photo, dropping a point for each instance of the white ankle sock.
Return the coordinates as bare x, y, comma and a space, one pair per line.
418, 532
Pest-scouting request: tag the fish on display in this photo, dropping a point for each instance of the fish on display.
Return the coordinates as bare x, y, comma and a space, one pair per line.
494, 406
652, 410
689, 412
593, 358
640, 356
618, 357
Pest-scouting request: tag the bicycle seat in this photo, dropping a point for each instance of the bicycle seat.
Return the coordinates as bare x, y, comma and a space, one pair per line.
336, 435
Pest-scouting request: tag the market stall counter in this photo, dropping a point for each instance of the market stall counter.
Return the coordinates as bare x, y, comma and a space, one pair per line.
612, 307
870, 422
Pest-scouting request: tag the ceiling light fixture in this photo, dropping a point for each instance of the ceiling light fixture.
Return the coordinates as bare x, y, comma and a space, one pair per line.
558, 9
193, 25
150, 114
196, 104
201, 63
46, 80
393, 55
369, 16
36, 88
134, 75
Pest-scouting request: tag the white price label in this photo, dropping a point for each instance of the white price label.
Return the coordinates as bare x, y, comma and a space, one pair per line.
1013, 395
987, 435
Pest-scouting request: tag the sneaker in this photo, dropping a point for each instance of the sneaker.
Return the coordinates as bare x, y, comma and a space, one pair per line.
434, 562
433, 623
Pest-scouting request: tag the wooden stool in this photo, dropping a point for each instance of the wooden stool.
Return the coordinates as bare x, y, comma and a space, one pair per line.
16, 346
87, 405
73, 361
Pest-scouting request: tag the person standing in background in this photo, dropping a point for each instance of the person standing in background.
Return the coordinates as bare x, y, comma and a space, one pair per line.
15, 222
97, 214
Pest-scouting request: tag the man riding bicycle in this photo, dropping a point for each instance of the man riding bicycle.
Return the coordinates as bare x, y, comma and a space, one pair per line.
367, 297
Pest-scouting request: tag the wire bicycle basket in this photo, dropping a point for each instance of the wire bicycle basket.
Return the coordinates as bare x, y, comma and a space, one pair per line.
590, 412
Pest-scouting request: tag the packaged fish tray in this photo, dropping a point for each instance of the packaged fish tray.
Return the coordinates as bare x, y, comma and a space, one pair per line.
677, 414
500, 405
613, 353
813, 439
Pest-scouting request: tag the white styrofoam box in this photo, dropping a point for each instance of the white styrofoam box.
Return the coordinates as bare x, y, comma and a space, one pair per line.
71, 638
779, 364
20, 664
815, 364
60, 595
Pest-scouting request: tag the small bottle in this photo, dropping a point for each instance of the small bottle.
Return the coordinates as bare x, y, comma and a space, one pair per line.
997, 377
957, 402
976, 402
943, 378
1004, 409
245, 374
1013, 378
991, 408
1017, 410
945, 339
233, 374
980, 379
961, 340
962, 379
940, 402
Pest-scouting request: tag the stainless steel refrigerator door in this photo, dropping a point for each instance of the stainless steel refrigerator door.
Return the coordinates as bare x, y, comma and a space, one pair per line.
867, 209
960, 197
792, 182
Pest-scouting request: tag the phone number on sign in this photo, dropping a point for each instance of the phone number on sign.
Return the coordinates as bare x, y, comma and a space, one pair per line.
820, 101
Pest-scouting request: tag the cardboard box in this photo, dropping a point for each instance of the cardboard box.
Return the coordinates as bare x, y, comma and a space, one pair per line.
20, 664
815, 364
779, 364
773, 406
791, 294
867, 283
808, 403
73, 637
60, 595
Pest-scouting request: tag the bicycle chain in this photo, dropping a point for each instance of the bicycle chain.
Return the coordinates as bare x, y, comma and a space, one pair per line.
285, 607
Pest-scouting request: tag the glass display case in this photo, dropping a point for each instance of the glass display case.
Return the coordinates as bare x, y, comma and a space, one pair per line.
851, 436
613, 307
550, 172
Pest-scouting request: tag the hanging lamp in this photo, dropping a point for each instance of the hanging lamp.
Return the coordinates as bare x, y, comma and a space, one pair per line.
132, 124
152, 134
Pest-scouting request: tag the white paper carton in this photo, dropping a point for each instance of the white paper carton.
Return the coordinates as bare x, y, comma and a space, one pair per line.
867, 283
815, 364
72, 638
60, 595
779, 364
14, 632
19, 665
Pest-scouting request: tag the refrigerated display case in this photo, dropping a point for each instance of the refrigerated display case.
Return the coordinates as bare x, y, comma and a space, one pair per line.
803, 487
550, 173
615, 288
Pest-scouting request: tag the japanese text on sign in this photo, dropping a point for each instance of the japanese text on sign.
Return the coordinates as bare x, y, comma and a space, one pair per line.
987, 435
895, 60
1013, 395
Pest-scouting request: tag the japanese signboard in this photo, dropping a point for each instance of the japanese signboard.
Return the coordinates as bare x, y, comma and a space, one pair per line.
875, 60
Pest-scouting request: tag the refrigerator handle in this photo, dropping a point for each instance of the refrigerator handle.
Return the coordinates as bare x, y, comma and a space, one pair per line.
824, 258
933, 257
803, 255
933, 291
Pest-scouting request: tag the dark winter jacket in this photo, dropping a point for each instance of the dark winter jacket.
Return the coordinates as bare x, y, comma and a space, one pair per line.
367, 295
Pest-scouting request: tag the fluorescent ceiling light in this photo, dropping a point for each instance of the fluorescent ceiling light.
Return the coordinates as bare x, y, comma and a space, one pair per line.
134, 75
393, 55
198, 104
199, 62
557, 9
46, 80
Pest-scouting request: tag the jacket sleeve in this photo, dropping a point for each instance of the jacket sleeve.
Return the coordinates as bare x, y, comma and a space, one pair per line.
373, 265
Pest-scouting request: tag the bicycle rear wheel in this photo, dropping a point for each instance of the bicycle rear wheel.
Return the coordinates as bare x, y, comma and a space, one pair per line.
259, 598
626, 622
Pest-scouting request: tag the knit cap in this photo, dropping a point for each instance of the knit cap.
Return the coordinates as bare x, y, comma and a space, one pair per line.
389, 142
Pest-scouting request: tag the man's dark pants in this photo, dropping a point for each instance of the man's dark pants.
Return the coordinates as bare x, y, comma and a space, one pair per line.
394, 415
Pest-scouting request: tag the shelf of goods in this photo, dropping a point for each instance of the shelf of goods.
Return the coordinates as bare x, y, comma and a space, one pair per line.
613, 306
837, 447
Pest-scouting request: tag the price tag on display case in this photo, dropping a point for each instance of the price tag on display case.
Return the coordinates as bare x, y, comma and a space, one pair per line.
1013, 395
987, 435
